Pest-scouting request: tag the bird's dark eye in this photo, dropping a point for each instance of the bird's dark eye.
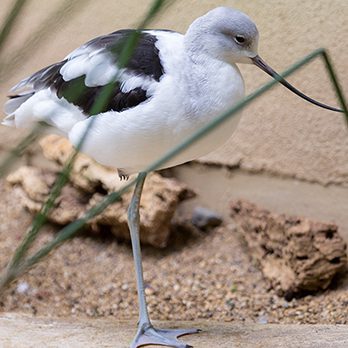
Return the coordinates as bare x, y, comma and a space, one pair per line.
240, 39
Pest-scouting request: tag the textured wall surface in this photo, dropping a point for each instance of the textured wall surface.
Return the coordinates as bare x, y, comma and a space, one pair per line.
279, 132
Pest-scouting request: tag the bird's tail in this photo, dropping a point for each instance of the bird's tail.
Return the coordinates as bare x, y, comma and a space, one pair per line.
25, 109
12, 105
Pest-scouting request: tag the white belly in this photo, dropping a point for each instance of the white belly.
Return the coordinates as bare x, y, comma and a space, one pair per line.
136, 138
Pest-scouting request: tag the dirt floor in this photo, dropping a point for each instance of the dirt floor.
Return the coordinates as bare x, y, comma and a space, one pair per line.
198, 277
24, 331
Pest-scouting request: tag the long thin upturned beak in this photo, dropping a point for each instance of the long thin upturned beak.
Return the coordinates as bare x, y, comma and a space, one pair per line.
258, 61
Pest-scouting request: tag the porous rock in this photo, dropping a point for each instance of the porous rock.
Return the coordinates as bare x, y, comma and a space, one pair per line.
89, 183
296, 254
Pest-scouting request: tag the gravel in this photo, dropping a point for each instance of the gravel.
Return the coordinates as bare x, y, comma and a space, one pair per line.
199, 276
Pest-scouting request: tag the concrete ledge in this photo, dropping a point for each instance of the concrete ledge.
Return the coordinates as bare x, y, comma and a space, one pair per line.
19, 331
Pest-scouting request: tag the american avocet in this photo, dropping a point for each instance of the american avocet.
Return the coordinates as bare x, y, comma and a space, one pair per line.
172, 85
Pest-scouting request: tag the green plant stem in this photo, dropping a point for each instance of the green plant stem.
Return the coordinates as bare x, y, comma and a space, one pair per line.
18, 150
65, 11
10, 21
335, 83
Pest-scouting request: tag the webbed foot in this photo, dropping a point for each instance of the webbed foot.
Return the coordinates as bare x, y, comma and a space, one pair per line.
163, 337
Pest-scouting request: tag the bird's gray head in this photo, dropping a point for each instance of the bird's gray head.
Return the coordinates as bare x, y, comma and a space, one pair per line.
226, 34
232, 37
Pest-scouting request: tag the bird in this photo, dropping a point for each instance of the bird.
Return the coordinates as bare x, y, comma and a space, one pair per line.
172, 85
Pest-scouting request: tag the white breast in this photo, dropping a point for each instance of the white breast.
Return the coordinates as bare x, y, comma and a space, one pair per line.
135, 138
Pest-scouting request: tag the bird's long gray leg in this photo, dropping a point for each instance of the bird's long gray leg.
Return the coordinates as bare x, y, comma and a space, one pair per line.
133, 222
146, 333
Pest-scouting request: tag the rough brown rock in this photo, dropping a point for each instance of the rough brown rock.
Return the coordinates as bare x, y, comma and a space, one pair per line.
294, 253
86, 174
89, 183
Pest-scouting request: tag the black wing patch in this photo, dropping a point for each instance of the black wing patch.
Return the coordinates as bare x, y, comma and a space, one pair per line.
76, 92
144, 61
145, 58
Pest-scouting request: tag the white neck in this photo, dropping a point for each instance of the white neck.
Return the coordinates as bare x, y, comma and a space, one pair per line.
220, 84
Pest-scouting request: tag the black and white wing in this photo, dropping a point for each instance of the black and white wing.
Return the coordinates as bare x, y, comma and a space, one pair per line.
81, 76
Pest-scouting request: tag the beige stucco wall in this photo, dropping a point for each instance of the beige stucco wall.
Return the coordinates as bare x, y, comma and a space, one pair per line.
279, 132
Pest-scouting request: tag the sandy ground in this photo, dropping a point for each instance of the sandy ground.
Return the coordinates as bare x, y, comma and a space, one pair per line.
206, 276
21, 331
278, 132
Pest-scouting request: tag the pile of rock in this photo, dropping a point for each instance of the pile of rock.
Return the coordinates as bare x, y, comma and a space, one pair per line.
296, 254
89, 183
